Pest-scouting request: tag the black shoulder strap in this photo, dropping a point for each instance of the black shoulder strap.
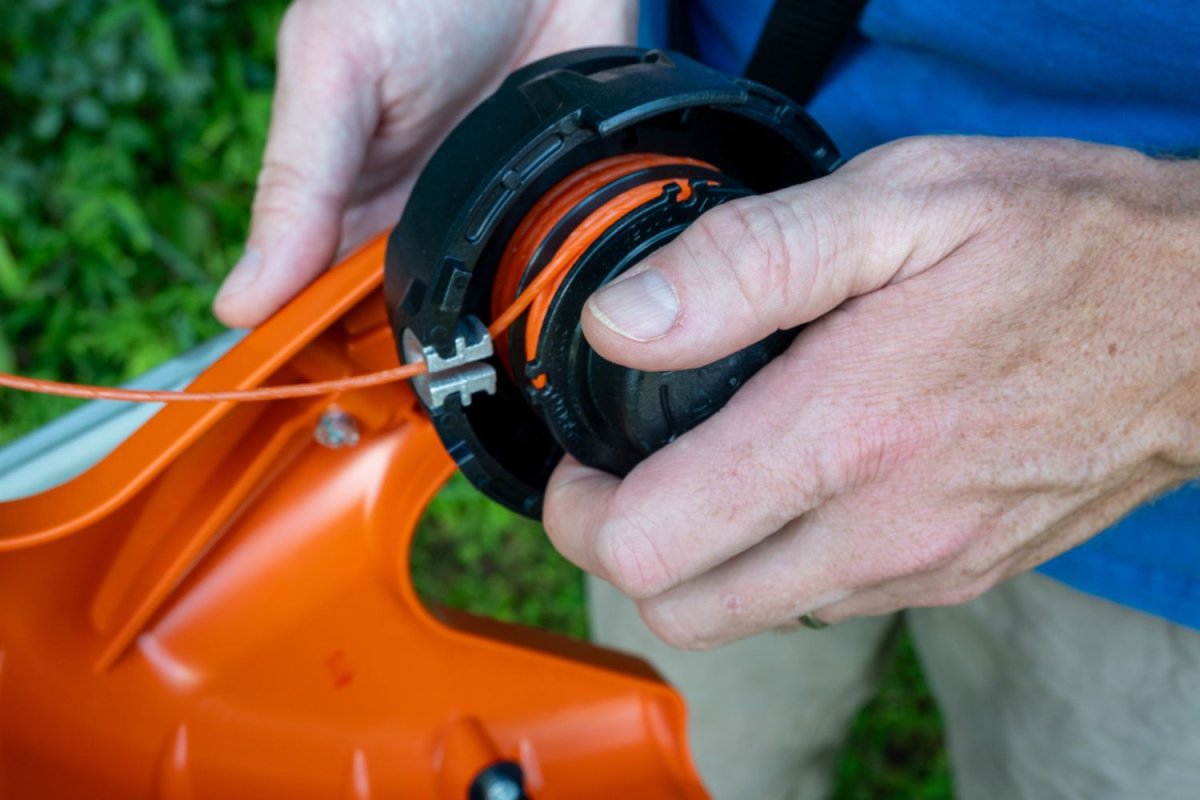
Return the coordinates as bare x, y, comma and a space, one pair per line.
679, 28
799, 43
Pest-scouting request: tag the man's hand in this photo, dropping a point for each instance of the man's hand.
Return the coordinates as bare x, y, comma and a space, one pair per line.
1006, 361
367, 89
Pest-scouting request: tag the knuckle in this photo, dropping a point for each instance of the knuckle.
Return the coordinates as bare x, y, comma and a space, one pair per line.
917, 157
875, 442
961, 546
816, 242
285, 189
765, 482
281, 175
915, 149
807, 480
808, 471
936, 551
748, 237
664, 621
936, 174
629, 558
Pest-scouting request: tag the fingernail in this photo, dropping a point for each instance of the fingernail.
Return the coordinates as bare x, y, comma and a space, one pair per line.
244, 273
641, 306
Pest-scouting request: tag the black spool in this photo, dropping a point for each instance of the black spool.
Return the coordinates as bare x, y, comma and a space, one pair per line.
546, 121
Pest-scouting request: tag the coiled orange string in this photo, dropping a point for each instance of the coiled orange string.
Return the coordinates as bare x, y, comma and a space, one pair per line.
541, 220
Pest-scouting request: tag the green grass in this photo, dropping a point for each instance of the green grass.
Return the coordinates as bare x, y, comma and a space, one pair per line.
896, 746
475, 555
129, 143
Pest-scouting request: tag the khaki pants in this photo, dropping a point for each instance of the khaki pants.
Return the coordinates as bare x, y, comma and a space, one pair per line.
1046, 693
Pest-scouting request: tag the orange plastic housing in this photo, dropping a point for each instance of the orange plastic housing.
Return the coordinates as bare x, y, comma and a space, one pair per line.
222, 609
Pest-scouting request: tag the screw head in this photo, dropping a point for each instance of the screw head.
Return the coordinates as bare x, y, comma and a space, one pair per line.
503, 790
502, 780
336, 429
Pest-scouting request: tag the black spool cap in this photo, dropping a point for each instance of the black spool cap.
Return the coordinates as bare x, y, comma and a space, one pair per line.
609, 416
546, 121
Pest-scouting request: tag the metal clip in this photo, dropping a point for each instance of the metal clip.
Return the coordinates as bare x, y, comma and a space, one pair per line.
460, 373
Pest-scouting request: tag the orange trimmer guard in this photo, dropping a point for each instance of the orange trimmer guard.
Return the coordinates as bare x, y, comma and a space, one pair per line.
222, 608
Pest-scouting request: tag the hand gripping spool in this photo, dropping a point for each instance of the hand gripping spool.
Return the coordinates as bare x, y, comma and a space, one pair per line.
577, 167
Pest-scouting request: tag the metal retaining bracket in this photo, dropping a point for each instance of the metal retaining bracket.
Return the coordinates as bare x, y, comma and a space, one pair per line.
461, 373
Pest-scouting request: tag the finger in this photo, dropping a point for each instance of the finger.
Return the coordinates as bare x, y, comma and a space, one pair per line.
577, 500
714, 492
875, 551
760, 264
324, 113
854, 556
865, 553
792, 572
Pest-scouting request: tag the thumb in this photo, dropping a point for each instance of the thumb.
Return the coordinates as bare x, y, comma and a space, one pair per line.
323, 116
765, 263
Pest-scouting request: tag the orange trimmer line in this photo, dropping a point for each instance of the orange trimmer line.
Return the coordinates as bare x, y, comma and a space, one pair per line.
538, 294
545, 215
576, 245
86, 392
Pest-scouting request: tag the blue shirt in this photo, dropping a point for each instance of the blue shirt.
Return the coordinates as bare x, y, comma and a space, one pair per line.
1124, 73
